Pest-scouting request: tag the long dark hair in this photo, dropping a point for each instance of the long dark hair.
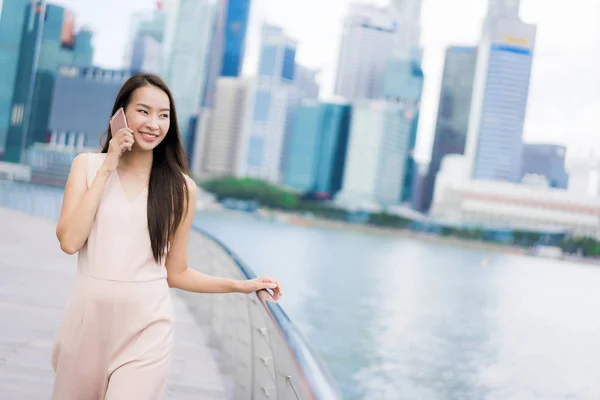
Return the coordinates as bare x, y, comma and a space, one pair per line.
167, 190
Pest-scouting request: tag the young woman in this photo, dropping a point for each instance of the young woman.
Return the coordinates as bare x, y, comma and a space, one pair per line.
128, 212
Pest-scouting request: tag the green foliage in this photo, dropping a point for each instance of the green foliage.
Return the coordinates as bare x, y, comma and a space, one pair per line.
322, 210
526, 239
275, 197
586, 246
266, 194
463, 233
384, 219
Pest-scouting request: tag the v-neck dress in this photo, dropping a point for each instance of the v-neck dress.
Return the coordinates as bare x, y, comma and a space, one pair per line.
116, 337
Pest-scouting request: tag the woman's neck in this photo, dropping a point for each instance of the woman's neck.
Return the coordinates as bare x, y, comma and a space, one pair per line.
136, 160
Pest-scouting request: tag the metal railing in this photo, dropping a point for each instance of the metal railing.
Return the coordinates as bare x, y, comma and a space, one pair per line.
261, 353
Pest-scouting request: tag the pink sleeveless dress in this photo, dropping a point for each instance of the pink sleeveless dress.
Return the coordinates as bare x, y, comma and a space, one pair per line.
116, 337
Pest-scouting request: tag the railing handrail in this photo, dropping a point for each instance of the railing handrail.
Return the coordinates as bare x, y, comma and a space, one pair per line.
315, 374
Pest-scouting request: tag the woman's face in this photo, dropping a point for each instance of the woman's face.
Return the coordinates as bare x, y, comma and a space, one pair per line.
148, 116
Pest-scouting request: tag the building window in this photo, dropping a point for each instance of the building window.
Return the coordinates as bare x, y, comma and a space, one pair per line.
17, 114
268, 56
289, 64
256, 147
262, 106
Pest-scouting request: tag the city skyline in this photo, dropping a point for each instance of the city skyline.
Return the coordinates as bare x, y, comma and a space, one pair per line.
563, 105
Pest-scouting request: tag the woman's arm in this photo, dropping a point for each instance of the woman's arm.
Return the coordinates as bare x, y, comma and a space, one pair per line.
80, 203
180, 276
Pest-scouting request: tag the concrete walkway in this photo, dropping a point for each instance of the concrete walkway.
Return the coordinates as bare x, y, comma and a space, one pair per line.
35, 278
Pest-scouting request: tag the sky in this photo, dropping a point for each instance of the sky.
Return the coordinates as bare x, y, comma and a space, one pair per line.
564, 98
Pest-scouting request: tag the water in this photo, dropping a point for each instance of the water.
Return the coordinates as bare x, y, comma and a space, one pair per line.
398, 318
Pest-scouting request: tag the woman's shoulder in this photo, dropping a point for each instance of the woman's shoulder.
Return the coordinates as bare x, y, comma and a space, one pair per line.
88, 163
190, 183
89, 157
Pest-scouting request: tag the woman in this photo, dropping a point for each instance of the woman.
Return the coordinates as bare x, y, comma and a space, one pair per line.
128, 212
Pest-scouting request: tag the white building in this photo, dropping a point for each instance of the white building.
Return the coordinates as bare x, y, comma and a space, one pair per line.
220, 137
500, 92
147, 55
145, 37
409, 23
368, 38
264, 134
376, 155
459, 200
584, 177
187, 64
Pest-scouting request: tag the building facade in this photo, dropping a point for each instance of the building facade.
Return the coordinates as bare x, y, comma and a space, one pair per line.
304, 86
222, 136
547, 160
48, 41
144, 47
316, 154
584, 177
510, 205
378, 148
11, 31
264, 136
403, 83
147, 55
236, 27
188, 63
500, 93
91, 92
454, 106
368, 39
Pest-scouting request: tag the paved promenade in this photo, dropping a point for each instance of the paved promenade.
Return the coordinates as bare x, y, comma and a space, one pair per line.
35, 278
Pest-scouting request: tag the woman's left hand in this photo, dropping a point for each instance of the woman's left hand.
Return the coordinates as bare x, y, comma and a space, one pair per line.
263, 282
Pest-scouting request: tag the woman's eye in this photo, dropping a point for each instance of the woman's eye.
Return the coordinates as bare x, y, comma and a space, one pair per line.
143, 111
164, 116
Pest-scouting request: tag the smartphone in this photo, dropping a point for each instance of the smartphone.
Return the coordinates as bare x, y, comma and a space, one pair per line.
118, 121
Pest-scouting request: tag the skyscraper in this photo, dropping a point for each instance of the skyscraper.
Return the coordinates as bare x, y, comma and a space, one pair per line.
547, 160
305, 81
305, 86
500, 92
236, 27
227, 44
584, 176
368, 39
147, 55
92, 92
376, 157
317, 148
11, 31
144, 48
409, 23
453, 112
215, 56
220, 150
264, 136
48, 41
187, 66
403, 83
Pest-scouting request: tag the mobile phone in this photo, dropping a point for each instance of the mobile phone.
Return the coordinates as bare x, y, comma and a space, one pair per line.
118, 121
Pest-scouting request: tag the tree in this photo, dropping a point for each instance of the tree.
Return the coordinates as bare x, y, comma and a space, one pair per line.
586, 246
266, 194
388, 220
526, 238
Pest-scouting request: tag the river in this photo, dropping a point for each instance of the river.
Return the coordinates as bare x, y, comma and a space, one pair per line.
400, 318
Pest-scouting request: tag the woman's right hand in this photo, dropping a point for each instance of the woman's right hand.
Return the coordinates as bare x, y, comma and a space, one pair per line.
120, 143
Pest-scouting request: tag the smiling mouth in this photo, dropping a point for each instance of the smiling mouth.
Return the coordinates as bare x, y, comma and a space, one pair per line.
149, 136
